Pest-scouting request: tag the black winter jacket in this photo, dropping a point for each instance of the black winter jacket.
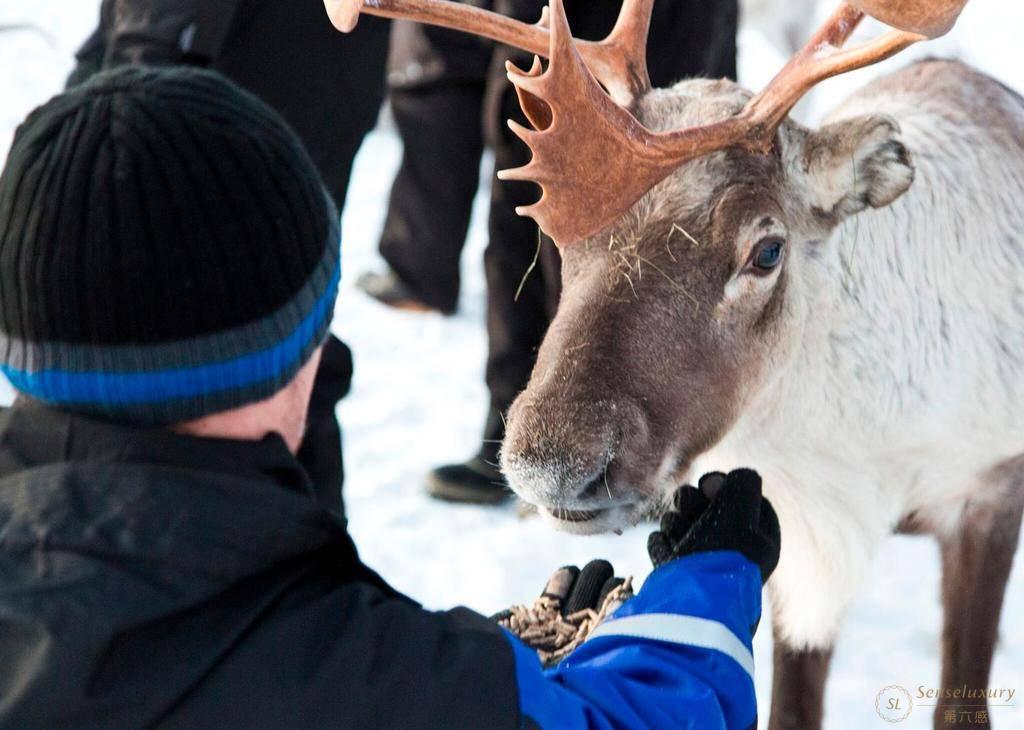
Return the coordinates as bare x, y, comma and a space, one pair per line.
148, 578
144, 32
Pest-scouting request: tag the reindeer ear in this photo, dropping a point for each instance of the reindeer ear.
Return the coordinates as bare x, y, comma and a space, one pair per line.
856, 163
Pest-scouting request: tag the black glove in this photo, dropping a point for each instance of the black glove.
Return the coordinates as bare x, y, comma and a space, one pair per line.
576, 590
573, 603
725, 513
580, 589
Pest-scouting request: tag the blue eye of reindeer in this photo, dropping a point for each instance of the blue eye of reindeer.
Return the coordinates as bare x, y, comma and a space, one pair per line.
767, 254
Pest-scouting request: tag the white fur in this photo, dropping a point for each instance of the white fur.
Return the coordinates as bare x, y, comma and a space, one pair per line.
906, 385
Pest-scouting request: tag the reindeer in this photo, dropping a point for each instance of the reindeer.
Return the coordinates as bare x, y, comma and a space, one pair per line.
841, 308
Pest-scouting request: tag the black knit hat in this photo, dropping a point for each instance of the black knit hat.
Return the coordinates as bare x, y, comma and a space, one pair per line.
167, 249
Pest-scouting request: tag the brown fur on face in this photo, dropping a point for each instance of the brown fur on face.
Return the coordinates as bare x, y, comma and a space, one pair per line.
605, 415
665, 326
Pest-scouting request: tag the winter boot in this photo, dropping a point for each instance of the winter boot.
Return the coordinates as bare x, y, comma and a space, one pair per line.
388, 289
476, 481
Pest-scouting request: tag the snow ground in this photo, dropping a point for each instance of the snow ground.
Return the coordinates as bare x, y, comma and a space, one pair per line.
418, 401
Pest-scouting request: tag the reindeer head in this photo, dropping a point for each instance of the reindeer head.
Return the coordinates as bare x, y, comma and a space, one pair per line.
680, 314
684, 216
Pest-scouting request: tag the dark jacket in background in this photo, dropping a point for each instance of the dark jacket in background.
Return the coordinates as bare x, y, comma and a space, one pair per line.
328, 86
149, 579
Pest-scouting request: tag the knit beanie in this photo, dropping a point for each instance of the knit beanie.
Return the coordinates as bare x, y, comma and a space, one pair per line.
167, 249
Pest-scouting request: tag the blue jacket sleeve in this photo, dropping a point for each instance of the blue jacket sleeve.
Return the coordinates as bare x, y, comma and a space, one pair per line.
677, 655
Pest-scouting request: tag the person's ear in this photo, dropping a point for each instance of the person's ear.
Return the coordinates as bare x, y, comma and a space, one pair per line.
856, 163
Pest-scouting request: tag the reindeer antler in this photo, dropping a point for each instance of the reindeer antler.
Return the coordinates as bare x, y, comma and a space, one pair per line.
594, 160
584, 128
591, 157
931, 18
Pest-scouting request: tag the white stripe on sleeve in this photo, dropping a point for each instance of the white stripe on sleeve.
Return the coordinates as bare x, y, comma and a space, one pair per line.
689, 630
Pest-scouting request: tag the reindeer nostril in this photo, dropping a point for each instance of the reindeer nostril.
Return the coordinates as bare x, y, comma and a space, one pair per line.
589, 489
597, 487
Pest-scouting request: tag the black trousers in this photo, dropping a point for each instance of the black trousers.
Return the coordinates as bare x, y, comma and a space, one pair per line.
436, 80
328, 86
448, 95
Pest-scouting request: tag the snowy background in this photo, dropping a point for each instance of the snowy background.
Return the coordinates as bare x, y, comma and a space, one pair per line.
418, 400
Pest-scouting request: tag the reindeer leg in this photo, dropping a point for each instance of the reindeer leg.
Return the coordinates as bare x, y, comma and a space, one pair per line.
798, 687
976, 562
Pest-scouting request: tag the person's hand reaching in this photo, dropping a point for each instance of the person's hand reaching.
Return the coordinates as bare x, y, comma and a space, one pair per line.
725, 512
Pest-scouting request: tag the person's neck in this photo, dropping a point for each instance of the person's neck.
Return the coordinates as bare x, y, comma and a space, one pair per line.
249, 423
283, 413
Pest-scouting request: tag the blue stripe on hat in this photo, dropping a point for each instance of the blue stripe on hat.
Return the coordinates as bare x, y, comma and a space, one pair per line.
61, 387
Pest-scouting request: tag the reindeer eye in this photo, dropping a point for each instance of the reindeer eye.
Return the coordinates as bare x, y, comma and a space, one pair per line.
767, 255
